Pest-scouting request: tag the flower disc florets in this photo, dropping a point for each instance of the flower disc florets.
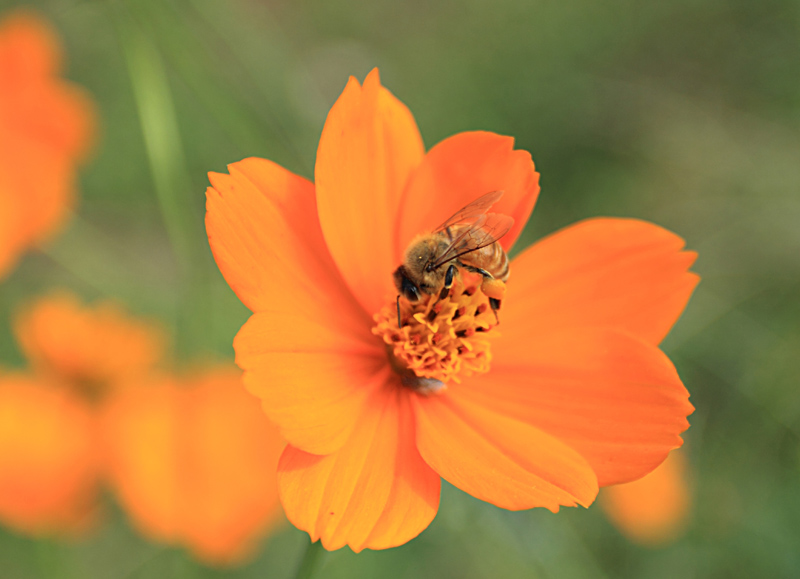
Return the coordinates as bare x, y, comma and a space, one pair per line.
440, 339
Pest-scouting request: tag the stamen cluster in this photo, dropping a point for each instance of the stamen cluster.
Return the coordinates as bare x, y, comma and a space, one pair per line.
439, 339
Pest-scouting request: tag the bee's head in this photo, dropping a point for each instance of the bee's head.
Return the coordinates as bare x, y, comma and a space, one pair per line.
405, 285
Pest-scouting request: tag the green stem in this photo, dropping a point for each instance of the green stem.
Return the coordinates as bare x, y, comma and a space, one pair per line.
168, 166
161, 137
310, 560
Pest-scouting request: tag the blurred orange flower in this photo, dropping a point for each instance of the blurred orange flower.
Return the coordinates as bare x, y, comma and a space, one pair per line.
49, 447
49, 460
46, 127
90, 347
578, 394
193, 462
654, 509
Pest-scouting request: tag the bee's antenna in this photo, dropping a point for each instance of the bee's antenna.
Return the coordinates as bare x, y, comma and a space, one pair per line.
398, 312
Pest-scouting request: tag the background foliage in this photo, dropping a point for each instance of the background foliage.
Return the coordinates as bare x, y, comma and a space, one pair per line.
685, 113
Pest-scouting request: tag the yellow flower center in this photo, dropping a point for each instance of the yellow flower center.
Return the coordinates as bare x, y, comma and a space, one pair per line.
439, 339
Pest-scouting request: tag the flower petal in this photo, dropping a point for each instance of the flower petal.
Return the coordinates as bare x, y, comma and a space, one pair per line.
623, 273
459, 170
614, 398
653, 510
46, 124
263, 230
141, 435
313, 366
37, 184
89, 346
368, 148
231, 495
375, 493
193, 462
62, 116
29, 48
499, 459
49, 463
9, 228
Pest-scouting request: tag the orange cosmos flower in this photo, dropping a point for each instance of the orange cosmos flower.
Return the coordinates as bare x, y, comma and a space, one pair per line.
654, 509
48, 457
568, 394
46, 125
90, 347
193, 463
49, 450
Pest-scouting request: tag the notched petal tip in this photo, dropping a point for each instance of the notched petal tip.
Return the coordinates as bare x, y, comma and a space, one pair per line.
373, 78
369, 146
623, 273
610, 395
264, 233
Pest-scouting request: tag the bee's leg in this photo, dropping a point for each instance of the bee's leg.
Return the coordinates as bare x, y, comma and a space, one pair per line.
495, 305
495, 290
492, 288
473, 269
449, 277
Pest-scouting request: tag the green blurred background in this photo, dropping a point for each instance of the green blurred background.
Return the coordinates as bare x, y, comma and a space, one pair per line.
685, 113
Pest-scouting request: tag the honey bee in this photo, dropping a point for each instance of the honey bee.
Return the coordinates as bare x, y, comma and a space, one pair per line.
468, 240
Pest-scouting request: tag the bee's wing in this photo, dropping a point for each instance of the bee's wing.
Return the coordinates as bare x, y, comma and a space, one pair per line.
472, 211
487, 228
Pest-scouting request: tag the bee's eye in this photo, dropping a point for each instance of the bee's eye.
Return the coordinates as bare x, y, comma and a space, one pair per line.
410, 291
405, 286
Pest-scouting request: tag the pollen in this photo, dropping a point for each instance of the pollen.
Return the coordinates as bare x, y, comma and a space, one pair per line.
439, 340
